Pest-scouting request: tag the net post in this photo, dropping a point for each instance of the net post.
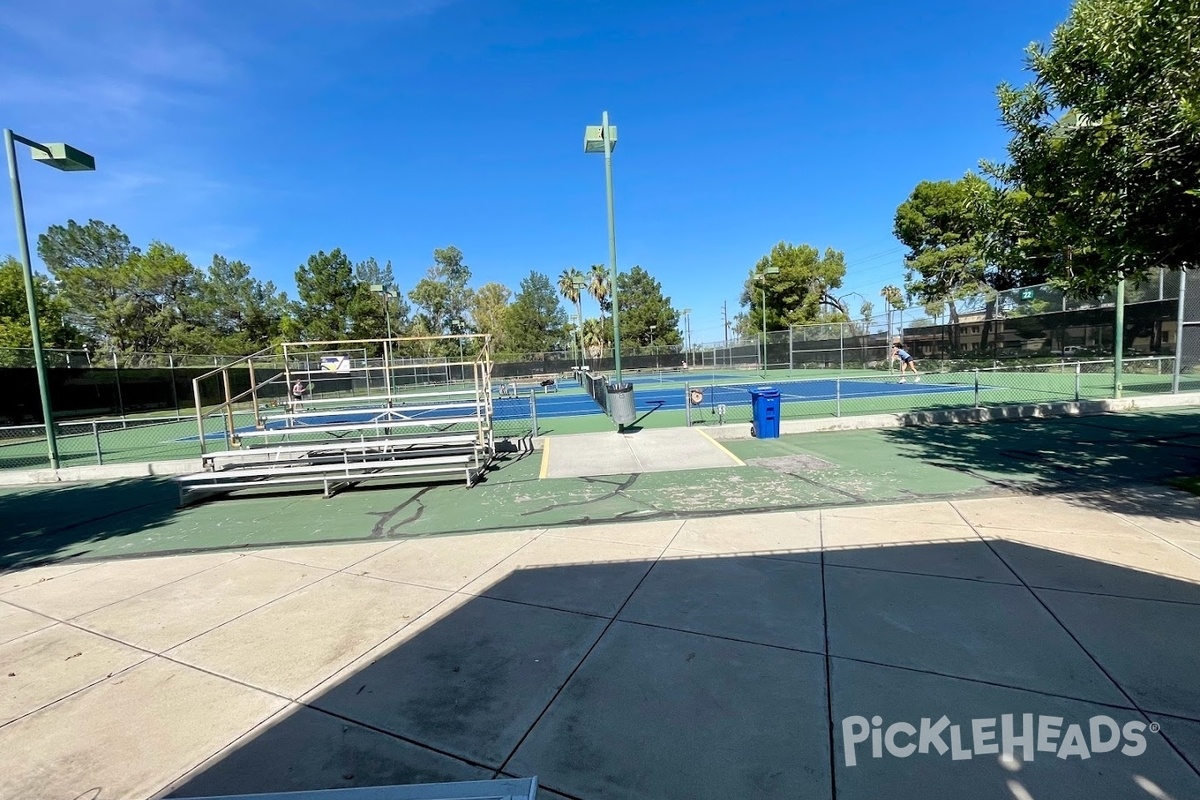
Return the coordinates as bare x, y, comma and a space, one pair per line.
976, 371
687, 404
533, 410
837, 391
1077, 366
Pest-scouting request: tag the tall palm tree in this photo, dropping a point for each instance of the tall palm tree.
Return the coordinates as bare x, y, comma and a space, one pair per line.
595, 337
568, 286
600, 286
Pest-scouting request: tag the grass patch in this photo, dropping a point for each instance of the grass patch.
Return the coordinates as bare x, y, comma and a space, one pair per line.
1191, 484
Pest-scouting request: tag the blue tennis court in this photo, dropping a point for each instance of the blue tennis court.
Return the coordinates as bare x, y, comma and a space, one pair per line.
650, 394
649, 397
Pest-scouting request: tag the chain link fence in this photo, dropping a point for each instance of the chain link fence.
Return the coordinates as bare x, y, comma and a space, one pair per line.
719, 401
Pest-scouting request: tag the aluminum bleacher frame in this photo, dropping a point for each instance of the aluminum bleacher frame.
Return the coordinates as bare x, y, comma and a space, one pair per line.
342, 441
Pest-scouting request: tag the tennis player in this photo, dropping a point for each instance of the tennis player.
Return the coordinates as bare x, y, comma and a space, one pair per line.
906, 362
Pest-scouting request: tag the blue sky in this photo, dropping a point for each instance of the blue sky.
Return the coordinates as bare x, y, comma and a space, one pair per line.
268, 130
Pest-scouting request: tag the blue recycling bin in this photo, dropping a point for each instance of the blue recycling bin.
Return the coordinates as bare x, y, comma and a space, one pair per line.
764, 405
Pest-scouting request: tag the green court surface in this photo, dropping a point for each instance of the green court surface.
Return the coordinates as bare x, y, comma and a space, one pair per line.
1109, 456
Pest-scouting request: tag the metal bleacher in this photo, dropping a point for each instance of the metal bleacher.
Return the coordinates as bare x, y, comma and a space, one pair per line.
338, 414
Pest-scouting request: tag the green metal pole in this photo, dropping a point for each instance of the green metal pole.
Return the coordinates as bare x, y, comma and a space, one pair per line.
579, 333
612, 244
1119, 338
764, 358
30, 298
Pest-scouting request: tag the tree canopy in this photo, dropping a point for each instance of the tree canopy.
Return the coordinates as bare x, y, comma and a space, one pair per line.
1106, 140
798, 293
534, 322
14, 310
642, 305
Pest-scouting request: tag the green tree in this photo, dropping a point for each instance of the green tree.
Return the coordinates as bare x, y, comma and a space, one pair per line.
798, 292
88, 261
488, 307
231, 312
1106, 140
161, 285
534, 322
571, 285
14, 314
370, 312
643, 305
893, 301
1011, 243
939, 226
866, 313
152, 310
600, 288
596, 337
327, 289
443, 297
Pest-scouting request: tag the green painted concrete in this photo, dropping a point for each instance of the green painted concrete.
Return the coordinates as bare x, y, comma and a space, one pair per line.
1112, 453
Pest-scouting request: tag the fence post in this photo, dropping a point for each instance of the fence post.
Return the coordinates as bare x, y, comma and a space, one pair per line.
174, 391
1077, 381
533, 410
791, 350
976, 371
120, 399
841, 347
1179, 333
837, 391
96, 437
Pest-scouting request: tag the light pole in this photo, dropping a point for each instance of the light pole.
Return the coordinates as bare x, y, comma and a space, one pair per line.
602, 138
68, 159
842, 329
580, 284
384, 290
762, 278
687, 337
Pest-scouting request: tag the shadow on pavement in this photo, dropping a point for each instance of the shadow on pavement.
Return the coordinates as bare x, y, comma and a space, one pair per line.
1118, 462
38, 524
733, 677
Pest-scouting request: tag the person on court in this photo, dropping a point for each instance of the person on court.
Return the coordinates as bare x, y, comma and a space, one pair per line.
906, 362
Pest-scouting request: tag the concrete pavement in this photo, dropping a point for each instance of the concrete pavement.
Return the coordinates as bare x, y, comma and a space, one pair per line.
757, 655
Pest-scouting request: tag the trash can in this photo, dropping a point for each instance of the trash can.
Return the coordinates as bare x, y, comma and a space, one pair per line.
764, 405
620, 403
